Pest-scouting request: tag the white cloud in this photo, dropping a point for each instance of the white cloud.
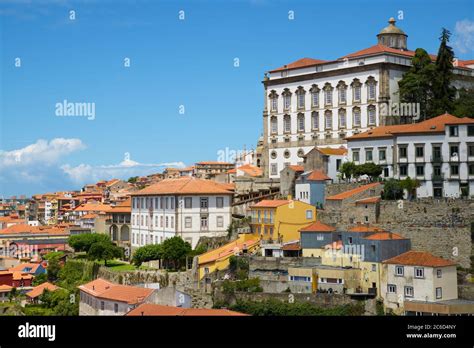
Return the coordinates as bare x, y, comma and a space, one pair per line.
464, 36
85, 173
41, 153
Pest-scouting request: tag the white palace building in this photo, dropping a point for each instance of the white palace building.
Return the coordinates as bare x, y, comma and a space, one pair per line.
313, 102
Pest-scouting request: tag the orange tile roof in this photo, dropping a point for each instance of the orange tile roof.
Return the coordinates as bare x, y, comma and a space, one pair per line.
433, 125
384, 236
126, 293
21, 276
89, 216
184, 185
317, 175
330, 151
250, 170
96, 287
350, 193
291, 246
24, 228
93, 207
419, 258
377, 49
365, 228
297, 168
270, 203
150, 309
226, 250
318, 226
38, 290
5, 288
300, 63
22, 266
368, 200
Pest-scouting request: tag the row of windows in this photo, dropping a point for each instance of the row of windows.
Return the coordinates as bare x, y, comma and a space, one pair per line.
327, 91
265, 216
164, 221
410, 292
420, 170
328, 120
169, 203
454, 131
419, 272
419, 152
92, 302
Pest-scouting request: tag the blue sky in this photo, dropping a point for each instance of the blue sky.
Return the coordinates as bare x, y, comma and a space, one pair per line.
173, 62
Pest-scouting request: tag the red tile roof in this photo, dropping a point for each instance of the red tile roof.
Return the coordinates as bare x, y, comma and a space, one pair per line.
317, 175
332, 152
270, 203
22, 266
368, 200
249, 169
419, 258
125, 293
5, 288
384, 236
301, 63
96, 287
433, 125
377, 49
297, 168
350, 193
38, 290
291, 246
318, 226
185, 185
226, 250
149, 309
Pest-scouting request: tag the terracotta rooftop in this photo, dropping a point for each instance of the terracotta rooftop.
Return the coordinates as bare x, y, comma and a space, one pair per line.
270, 203
368, 200
96, 287
433, 125
350, 193
93, 207
126, 293
297, 168
419, 258
301, 63
384, 236
38, 290
149, 309
331, 151
5, 288
226, 250
33, 267
291, 246
248, 169
184, 185
317, 175
318, 226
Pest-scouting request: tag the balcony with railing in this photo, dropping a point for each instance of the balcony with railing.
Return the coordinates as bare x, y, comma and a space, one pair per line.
437, 177
437, 159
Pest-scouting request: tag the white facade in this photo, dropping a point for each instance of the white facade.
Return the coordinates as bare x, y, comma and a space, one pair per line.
91, 305
158, 217
442, 163
417, 283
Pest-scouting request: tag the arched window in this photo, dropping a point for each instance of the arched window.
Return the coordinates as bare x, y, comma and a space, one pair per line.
356, 90
300, 95
342, 118
286, 99
315, 120
287, 124
342, 92
273, 101
300, 122
273, 125
328, 94
371, 88
328, 119
356, 117
371, 115
314, 96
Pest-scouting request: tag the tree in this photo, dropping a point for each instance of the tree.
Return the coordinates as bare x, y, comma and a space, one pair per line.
61, 301
443, 91
416, 84
175, 250
347, 169
53, 267
464, 105
370, 169
392, 190
133, 179
410, 185
82, 242
40, 279
104, 251
147, 253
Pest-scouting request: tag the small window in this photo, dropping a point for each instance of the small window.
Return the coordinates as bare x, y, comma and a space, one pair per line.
470, 131
454, 169
403, 170
453, 131
439, 293
102, 305
399, 271
349, 240
220, 221
454, 150
368, 155
382, 155
188, 202
420, 170
419, 272
403, 152
319, 236
374, 267
408, 291
355, 156
391, 289
220, 202
309, 214
188, 222
439, 273
419, 151
116, 307
470, 150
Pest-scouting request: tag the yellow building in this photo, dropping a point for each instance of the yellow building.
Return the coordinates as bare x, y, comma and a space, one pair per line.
218, 259
280, 220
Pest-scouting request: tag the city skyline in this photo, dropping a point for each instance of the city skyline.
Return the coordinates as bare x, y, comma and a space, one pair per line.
207, 61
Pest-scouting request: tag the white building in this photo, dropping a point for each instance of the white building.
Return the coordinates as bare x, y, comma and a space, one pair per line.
313, 102
101, 297
417, 276
187, 207
438, 152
